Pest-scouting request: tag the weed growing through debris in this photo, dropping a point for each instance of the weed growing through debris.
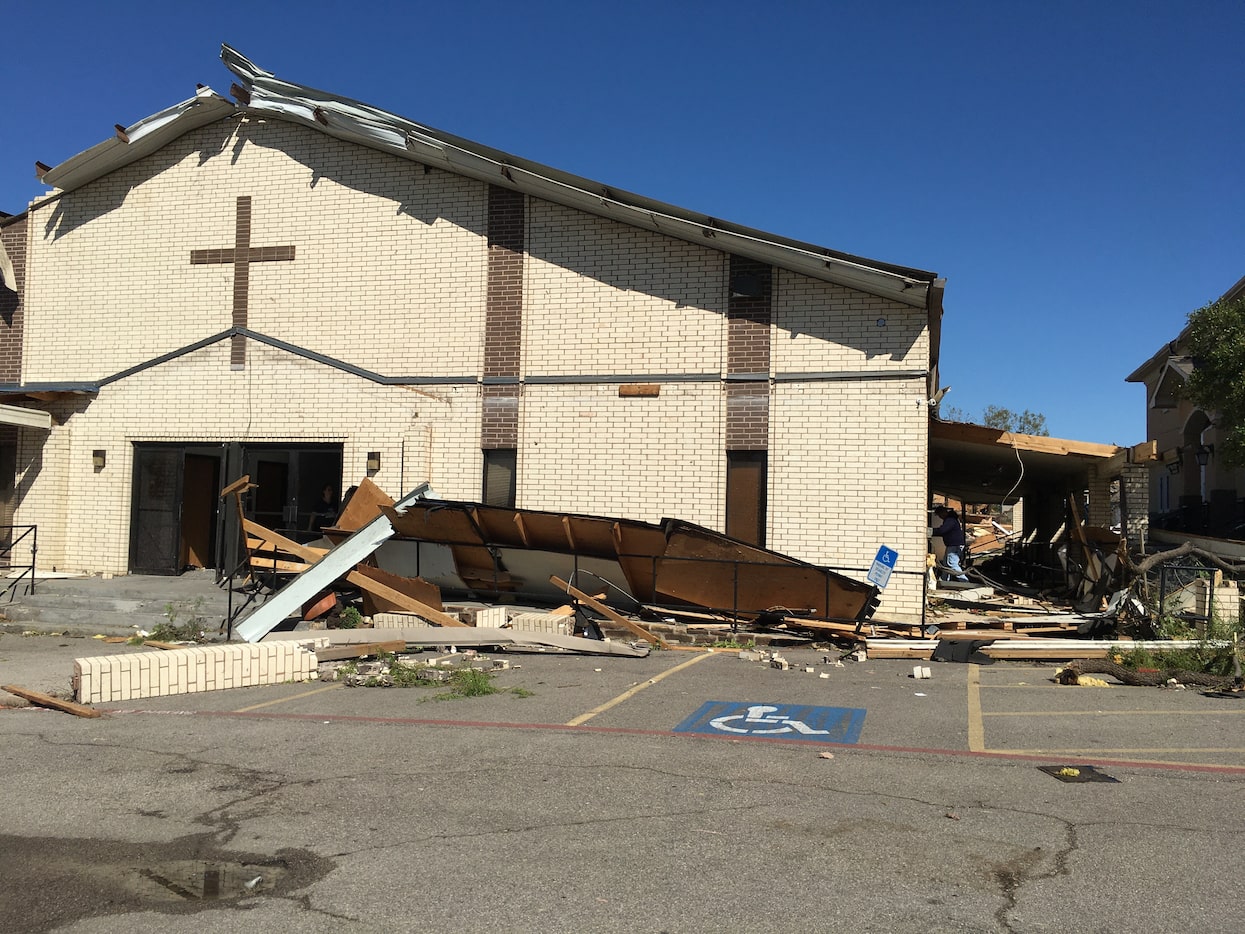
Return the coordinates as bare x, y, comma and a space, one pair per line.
471, 683
392, 672
468, 682
734, 642
192, 630
1214, 654
349, 618
1211, 659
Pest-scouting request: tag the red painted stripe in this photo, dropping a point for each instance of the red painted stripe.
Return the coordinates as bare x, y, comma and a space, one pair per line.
563, 728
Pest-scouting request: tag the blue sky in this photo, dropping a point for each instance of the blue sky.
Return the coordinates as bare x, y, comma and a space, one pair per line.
1073, 169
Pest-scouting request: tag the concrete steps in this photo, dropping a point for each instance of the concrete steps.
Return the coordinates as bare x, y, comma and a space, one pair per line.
117, 606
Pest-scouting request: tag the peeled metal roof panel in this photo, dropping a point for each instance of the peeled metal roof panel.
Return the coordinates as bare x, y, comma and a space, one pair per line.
361, 123
358, 122
145, 137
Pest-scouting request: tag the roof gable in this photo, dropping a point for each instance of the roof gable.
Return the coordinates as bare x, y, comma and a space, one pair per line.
260, 92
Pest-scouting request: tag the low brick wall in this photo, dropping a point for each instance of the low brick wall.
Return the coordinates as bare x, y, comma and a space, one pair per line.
157, 673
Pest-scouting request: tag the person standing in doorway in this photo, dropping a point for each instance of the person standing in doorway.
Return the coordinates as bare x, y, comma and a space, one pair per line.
952, 535
326, 509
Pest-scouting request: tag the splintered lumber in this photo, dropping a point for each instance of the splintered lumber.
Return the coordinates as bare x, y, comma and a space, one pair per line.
618, 618
981, 635
47, 700
895, 650
338, 652
366, 581
470, 636
816, 625
413, 587
1028, 651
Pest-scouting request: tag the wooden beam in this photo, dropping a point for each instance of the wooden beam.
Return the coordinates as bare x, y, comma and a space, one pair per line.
338, 652
397, 598
605, 611
47, 700
980, 434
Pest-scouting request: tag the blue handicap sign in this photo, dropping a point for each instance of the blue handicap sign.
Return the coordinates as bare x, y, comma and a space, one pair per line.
776, 721
880, 574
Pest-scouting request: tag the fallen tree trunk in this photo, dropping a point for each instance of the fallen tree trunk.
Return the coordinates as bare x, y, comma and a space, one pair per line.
1129, 676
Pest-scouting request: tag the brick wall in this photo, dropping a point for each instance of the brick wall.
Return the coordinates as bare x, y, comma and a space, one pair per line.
84, 515
389, 270
13, 236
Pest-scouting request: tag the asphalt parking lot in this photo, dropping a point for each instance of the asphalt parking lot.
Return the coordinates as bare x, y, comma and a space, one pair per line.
607, 799
1007, 708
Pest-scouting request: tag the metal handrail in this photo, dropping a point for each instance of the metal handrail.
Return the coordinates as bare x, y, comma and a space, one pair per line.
7, 544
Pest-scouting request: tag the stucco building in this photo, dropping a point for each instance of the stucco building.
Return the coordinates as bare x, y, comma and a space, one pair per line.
1190, 489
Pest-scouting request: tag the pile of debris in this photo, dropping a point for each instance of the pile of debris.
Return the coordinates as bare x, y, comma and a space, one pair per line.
557, 579
435, 572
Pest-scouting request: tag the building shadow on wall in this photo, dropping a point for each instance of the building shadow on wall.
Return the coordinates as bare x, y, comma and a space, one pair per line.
74, 209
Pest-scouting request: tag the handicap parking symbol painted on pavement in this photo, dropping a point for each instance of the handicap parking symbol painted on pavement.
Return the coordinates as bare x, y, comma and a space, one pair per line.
776, 721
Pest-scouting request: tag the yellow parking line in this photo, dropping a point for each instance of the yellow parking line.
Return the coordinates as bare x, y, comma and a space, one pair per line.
584, 717
282, 700
976, 730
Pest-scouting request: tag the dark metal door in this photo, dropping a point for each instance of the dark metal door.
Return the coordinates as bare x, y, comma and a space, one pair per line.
156, 511
745, 495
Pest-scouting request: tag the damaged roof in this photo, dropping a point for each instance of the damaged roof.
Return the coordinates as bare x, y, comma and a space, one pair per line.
977, 463
260, 92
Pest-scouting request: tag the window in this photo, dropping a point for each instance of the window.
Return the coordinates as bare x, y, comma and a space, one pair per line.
500, 467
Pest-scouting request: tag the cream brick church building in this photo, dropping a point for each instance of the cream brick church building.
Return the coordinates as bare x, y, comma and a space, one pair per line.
310, 290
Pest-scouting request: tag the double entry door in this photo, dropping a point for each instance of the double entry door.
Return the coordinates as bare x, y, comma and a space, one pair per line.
178, 520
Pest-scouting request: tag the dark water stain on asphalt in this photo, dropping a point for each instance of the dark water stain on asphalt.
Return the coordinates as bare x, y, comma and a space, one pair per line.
50, 882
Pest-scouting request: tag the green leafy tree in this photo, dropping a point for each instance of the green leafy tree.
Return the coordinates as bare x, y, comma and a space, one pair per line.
1216, 342
1023, 423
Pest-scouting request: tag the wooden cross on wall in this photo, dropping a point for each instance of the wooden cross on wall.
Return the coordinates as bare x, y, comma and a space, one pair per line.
241, 256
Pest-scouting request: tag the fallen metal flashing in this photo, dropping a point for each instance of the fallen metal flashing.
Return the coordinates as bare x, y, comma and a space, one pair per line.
322, 575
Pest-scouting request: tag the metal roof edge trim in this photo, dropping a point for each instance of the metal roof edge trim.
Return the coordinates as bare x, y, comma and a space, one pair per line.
145, 137
362, 123
293, 349
14, 388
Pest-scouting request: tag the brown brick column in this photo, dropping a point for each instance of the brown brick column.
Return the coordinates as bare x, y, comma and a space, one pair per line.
748, 318
503, 318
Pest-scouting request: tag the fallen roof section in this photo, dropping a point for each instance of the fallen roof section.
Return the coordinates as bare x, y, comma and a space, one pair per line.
495, 552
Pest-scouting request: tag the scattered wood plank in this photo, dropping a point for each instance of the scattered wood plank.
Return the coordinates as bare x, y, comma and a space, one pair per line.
155, 644
1042, 653
618, 618
817, 625
470, 636
876, 650
338, 652
47, 700
388, 594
